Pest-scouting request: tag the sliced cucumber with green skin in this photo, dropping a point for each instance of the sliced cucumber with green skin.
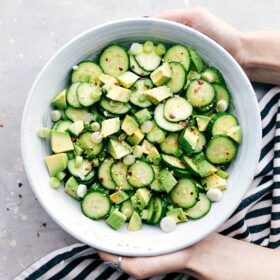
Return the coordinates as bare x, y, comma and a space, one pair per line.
173, 162
81, 171
149, 213
188, 139
148, 61
104, 175
197, 61
140, 174
136, 68
179, 54
72, 97
181, 173
222, 93
201, 208
76, 114
178, 77
87, 72
160, 206
221, 149
118, 108
137, 96
171, 145
163, 123
212, 75
114, 60
88, 94
201, 143
96, 205
88, 179
91, 149
127, 209
119, 174
200, 93
177, 109
191, 166
156, 135
62, 126
221, 123
184, 194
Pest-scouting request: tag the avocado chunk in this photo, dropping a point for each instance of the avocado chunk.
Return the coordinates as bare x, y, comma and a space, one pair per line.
116, 219
205, 168
60, 100
177, 214
158, 94
135, 222
109, 80
110, 126
61, 142
215, 181
147, 146
56, 163
235, 133
117, 149
188, 139
202, 122
76, 128
71, 188
127, 79
144, 196
135, 202
119, 197
162, 74
167, 180
143, 115
118, 93
136, 137
154, 156
129, 125
77, 150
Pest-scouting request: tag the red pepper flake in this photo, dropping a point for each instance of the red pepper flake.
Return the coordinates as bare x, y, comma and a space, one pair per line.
74, 139
184, 123
106, 59
87, 169
142, 74
182, 163
38, 234
116, 84
196, 90
121, 69
130, 173
191, 193
171, 116
1, 125
200, 82
101, 179
132, 67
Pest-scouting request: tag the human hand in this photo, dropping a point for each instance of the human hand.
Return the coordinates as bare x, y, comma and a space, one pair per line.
210, 25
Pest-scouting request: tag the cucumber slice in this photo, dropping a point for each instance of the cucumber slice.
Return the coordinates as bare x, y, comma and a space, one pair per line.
140, 174
127, 209
221, 123
95, 205
201, 143
235, 133
179, 54
201, 208
177, 109
136, 68
91, 149
88, 94
148, 61
222, 93
87, 72
75, 114
163, 123
118, 108
184, 194
191, 166
178, 77
171, 145
119, 174
156, 135
81, 171
104, 175
137, 96
114, 60
188, 139
181, 173
62, 126
212, 75
197, 61
200, 94
71, 95
173, 162
160, 206
149, 213
88, 179
221, 149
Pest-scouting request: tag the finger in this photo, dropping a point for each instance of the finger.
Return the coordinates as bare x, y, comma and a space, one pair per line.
107, 257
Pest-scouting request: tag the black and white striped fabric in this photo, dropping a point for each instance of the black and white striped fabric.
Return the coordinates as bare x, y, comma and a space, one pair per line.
256, 220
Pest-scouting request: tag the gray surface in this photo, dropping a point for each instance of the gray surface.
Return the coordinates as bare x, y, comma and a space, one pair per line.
31, 31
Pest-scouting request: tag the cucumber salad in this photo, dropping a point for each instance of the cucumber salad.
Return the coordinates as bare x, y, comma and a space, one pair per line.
143, 135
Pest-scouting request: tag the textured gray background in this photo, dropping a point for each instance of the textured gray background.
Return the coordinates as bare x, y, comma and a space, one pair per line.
30, 32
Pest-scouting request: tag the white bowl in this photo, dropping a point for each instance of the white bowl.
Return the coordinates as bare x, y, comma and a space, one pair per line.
66, 211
